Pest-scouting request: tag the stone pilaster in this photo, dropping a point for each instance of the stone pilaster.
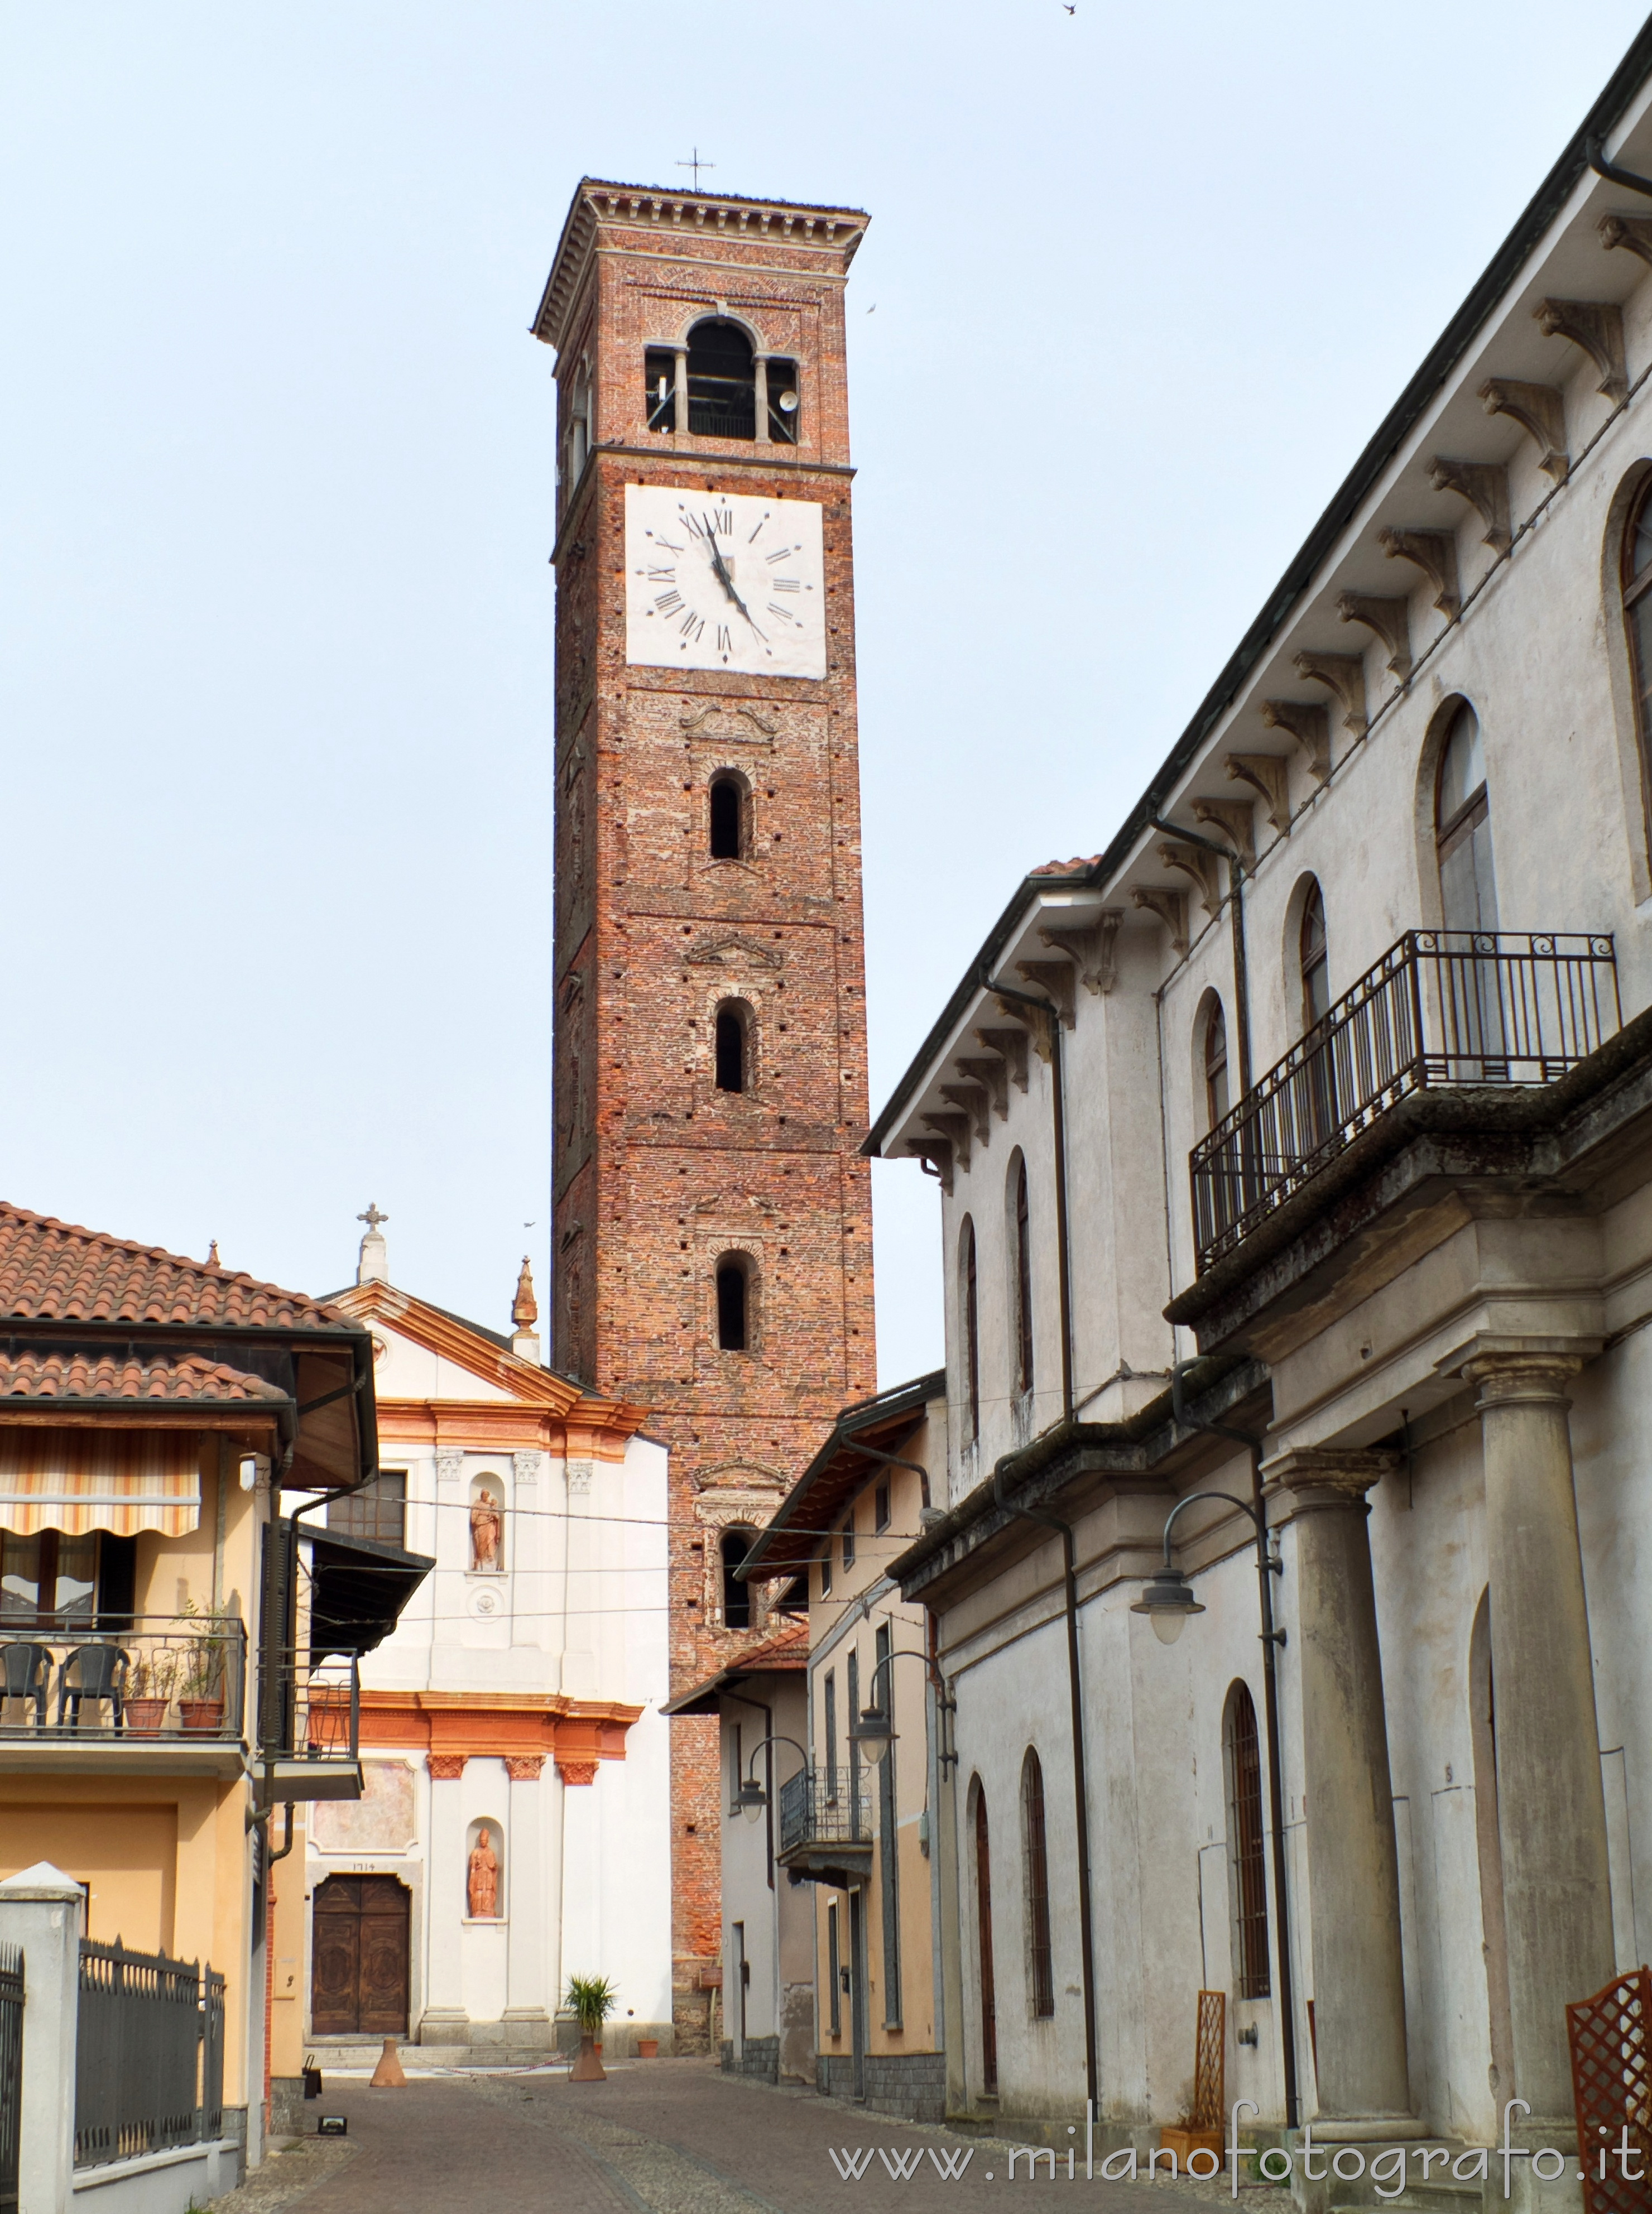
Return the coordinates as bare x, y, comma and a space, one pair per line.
526, 2018
445, 2021
1358, 1989
1551, 1811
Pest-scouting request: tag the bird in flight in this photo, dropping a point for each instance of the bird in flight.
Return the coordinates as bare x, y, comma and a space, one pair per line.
1073, 11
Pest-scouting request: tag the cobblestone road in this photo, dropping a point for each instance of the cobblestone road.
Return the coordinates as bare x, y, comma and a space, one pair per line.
662, 2137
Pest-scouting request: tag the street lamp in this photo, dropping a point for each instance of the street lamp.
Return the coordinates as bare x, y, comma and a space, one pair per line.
875, 1731
1167, 1600
751, 1798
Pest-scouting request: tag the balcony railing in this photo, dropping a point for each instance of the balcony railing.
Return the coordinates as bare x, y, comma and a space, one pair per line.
310, 1727
1441, 1009
824, 1806
180, 1678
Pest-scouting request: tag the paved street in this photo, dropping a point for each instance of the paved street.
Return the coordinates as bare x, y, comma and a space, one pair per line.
660, 2138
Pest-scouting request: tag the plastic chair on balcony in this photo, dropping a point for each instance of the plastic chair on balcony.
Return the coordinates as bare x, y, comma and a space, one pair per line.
92, 1671
24, 1676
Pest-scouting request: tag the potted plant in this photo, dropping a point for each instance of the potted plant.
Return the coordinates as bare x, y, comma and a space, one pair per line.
151, 1682
200, 1687
591, 2000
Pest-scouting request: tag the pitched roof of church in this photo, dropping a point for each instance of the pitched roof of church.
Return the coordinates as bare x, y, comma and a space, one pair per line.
58, 1271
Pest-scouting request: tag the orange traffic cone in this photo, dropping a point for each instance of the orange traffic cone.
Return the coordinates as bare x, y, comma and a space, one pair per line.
388, 2076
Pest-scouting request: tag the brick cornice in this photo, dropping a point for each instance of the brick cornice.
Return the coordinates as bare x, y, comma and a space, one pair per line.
600, 1429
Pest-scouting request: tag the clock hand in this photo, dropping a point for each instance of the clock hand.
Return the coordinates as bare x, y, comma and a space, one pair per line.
726, 581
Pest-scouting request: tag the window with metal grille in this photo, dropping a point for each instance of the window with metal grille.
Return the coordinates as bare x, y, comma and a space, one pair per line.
1022, 1233
1242, 1756
1035, 1877
375, 1509
968, 1294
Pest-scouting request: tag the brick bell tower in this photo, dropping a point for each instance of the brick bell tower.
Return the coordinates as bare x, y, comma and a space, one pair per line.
712, 1215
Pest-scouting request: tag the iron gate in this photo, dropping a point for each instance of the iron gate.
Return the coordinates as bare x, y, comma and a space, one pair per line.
11, 2072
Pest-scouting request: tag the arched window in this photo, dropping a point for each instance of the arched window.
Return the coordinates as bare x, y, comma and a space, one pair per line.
737, 1596
1315, 959
733, 1044
970, 1303
1021, 1254
1035, 1879
1217, 1097
579, 431
1247, 1869
722, 381
1462, 823
1637, 613
728, 818
984, 1944
733, 1303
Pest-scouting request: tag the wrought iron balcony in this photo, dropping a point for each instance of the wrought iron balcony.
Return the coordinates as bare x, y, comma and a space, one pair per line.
176, 1678
310, 1729
1442, 1010
825, 1808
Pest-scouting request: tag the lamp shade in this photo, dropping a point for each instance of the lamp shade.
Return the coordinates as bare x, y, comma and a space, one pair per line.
875, 1735
1167, 1600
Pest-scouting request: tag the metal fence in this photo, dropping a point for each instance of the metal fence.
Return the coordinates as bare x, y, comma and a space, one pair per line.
149, 2059
824, 1806
11, 2072
1441, 1009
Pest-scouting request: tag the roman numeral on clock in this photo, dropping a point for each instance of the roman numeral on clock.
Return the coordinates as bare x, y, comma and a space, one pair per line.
669, 603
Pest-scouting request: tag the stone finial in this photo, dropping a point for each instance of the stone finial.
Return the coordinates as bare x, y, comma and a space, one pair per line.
372, 1264
524, 1312
1541, 413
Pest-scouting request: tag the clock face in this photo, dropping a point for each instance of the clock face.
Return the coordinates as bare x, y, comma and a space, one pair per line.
719, 580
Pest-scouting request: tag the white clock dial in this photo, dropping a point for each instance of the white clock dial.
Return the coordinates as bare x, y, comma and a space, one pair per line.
720, 580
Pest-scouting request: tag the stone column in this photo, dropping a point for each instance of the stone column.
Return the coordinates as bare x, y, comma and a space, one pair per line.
1551, 1810
681, 389
760, 393
40, 1910
1359, 1988
445, 2021
526, 2019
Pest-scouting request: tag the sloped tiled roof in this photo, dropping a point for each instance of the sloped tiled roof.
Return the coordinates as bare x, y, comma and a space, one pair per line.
58, 1271
1073, 868
26, 1375
787, 1649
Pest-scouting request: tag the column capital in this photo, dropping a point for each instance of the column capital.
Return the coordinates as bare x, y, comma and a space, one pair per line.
447, 1767
1321, 1477
1514, 1377
524, 1767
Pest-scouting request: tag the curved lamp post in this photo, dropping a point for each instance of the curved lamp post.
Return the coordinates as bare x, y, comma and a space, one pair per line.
751, 1798
876, 1731
1168, 1599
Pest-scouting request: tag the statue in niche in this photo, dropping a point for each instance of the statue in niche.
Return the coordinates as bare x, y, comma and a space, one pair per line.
482, 1883
486, 1528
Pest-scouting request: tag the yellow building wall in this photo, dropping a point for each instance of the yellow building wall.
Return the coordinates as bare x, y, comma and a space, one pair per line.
287, 1936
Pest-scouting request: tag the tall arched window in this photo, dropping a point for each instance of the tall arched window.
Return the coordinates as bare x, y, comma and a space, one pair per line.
1247, 1867
984, 1945
733, 1046
1021, 1253
1462, 822
1217, 1098
1637, 613
969, 1305
733, 1303
737, 1596
1315, 959
722, 381
727, 818
1035, 1880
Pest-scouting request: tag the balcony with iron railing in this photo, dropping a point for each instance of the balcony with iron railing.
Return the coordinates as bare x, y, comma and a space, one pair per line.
141, 1687
825, 1823
309, 1727
1441, 1010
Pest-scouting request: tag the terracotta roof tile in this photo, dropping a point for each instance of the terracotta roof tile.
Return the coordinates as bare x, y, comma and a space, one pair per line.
1077, 867
57, 1271
26, 1375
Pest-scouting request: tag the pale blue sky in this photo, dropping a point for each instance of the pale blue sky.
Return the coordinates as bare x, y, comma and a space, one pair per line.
275, 503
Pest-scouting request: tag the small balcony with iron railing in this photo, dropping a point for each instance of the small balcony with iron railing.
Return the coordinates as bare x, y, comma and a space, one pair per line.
825, 1829
1441, 1010
309, 1731
143, 1692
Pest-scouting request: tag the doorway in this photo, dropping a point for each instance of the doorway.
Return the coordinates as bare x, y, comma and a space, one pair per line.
984, 1938
358, 1972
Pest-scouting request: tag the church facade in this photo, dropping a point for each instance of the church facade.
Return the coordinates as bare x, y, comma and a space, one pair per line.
713, 1252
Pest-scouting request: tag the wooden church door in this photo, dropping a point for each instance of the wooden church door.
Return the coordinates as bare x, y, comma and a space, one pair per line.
358, 1974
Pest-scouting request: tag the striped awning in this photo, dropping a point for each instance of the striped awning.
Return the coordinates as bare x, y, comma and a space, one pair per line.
75, 1480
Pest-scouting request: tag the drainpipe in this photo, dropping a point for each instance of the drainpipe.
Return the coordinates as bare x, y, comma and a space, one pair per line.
1058, 1118
1595, 150
1081, 1784
1241, 959
1271, 1640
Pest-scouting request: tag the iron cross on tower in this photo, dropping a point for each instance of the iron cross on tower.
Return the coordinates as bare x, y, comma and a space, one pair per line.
696, 165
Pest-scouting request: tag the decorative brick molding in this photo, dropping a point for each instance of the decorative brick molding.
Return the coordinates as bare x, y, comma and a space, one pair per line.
524, 1767
577, 1772
454, 1727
